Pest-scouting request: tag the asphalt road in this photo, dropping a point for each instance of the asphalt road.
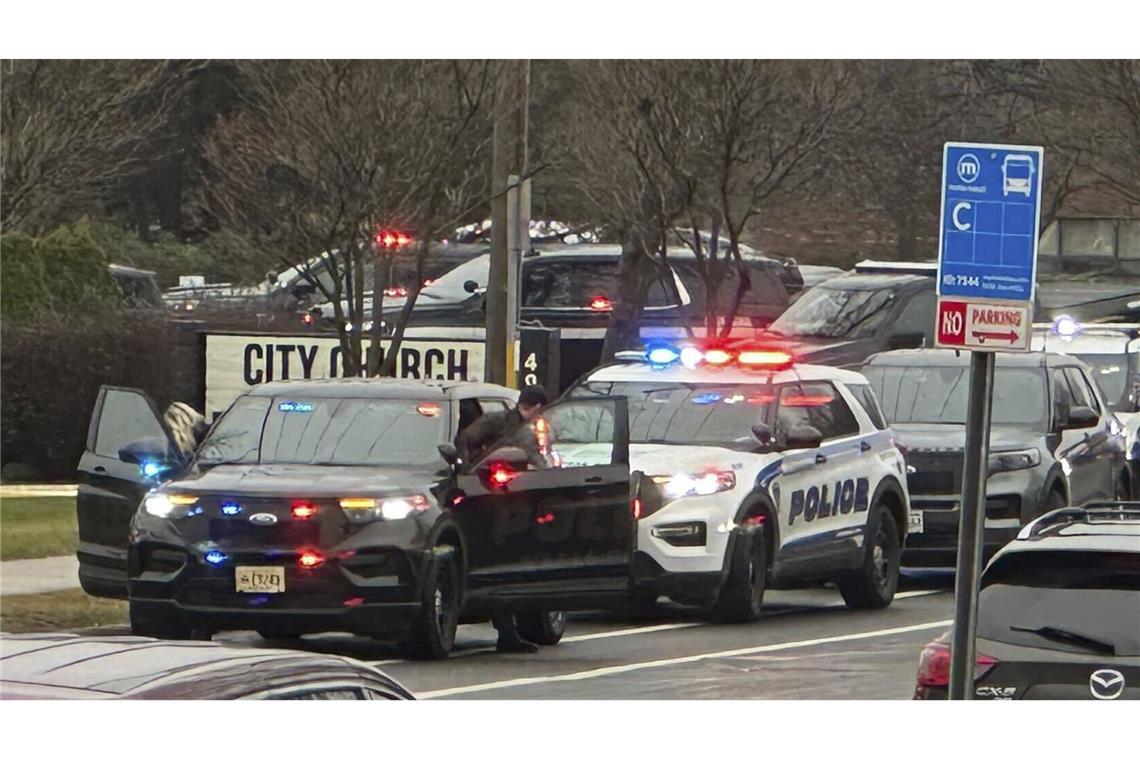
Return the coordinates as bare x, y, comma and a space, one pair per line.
807, 645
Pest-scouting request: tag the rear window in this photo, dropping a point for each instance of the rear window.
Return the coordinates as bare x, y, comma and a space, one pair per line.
1087, 594
766, 292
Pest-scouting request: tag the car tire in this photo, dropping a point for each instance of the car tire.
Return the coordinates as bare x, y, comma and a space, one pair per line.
873, 586
742, 594
545, 628
155, 625
433, 629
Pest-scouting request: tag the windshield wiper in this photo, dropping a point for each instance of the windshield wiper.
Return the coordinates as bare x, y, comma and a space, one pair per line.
1069, 637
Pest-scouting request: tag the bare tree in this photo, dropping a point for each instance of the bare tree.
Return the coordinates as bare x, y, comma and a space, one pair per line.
71, 129
328, 153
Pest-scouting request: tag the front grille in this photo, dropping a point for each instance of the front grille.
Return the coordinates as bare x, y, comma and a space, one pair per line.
935, 472
161, 560
247, 534
1003, 507
300, 593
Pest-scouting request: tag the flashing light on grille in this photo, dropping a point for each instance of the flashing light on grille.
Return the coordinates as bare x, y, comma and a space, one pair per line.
215, 557
601, 303
231, 508
1065, 326
696, 484
310, 559
303, 510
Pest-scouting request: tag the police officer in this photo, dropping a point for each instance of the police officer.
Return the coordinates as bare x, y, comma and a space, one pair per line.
509, 428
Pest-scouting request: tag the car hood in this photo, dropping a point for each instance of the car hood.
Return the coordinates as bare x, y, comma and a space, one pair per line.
666, 459
305, 480
953, 437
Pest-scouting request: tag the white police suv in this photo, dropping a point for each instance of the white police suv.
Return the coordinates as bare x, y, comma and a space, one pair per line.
751, 471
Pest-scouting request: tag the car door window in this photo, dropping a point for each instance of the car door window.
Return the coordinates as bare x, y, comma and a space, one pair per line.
127, 416
1082, 393
866, 398
1062, 396
917, 316
816, 404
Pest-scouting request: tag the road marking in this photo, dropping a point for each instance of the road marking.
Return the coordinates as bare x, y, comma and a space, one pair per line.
618, 669
659, 628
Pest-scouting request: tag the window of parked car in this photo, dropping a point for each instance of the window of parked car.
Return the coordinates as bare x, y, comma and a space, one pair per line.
866, 398
816, 404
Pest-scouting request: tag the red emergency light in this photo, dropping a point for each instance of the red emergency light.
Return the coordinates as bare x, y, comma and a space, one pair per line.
601, 303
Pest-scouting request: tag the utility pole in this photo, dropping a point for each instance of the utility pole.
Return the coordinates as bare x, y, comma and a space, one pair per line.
508, 157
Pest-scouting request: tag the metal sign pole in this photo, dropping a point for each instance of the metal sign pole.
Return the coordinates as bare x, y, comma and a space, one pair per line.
971, 525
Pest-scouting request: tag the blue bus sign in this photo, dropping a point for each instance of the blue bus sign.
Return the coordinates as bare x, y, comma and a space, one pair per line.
991, 213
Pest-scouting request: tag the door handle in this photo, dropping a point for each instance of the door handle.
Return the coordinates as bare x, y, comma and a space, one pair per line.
864, 446
820, 459
594, 479
100, 468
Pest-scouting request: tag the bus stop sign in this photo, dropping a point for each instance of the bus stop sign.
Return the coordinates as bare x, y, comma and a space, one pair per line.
991, 212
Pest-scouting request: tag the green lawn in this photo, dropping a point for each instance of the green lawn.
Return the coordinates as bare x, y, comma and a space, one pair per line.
39, 526
59, 611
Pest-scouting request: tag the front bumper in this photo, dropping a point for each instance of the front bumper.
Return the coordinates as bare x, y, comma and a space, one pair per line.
366, 592
1012, 499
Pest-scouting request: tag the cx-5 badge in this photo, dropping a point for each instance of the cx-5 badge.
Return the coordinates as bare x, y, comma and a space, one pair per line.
1106, 684
263, 518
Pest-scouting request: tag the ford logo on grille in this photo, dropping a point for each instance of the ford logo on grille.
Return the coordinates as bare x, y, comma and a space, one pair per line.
263, 518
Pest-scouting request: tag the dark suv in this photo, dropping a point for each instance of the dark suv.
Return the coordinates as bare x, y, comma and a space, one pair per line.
1058, 613
1053, 442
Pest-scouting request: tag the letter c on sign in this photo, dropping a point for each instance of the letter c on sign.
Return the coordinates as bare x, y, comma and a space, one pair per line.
251, 377
962, 206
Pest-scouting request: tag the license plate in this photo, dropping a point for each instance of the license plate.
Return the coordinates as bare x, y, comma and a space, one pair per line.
260, 580
916, 523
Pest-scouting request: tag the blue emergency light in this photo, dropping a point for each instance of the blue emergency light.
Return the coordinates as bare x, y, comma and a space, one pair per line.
215, 557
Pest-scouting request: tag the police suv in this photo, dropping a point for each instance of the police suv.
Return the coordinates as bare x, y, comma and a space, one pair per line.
753, 472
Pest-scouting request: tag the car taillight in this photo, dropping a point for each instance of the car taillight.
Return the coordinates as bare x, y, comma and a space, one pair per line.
307, 318
601, 303
934, 666
635, 505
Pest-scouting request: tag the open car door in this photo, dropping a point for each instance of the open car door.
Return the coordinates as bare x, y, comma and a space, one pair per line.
546, 513
110, 489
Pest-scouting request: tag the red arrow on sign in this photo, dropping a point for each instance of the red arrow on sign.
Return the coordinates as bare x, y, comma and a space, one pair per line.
1010, 336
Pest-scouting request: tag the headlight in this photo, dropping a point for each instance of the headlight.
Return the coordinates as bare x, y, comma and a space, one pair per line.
171, 505
1022, 459
698, 484
366, 509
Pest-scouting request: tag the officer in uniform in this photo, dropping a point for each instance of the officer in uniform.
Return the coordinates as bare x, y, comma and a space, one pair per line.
509, 429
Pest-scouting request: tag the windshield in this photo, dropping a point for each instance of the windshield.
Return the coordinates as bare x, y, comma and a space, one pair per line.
1111, 373
938, 395
1090, 594
825, 312
333, 431
686, 413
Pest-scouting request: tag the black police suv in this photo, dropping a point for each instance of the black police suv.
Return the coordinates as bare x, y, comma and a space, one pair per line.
342, 505
1058, 612
1053, 442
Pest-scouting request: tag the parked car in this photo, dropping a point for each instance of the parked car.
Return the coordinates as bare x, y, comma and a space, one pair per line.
1058, 613
69, 666
1053, 442
139, 287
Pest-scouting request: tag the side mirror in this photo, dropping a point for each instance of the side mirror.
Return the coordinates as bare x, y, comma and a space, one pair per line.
762, 433
803, 437
1080, 417
470, 286
906, 340
449, 453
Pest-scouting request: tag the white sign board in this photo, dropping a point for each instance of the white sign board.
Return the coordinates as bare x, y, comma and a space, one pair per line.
236, 363
983, 325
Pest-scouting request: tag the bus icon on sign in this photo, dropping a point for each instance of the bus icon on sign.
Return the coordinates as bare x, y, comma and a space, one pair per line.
969, 168
1017, 174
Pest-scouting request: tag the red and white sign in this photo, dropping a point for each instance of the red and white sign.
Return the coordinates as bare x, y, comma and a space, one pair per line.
982, 325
